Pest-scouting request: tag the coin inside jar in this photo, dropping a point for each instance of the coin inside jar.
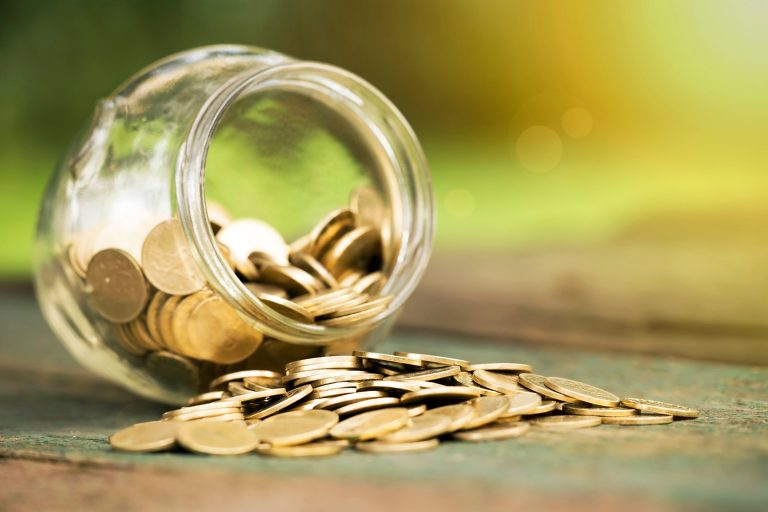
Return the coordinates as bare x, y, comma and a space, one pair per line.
119, 291
167, 260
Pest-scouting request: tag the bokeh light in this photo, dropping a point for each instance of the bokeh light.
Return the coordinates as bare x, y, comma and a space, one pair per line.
539, 148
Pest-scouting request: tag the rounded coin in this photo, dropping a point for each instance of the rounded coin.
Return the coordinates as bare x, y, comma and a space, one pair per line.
287, 308
427, 375
336, 385
502, 367
460, 414
367, 405
465, 379
441, 395
330, 229
349, 377
388, 358
211, 406
370, 425
168, 262
235, 416
292, 279
434, 360
153, 312
523, 403
152, 436
352, 251
332, 393
493, 432
206, 398
501, 382
165, 321
210, 413
318, 449
308, 404
352, 365
566, 422
246, 236
581, 391
217, 438
310, 265
416, 410
535, 383
222, 380
292, 397
639, 419
382, 447
369, 283
487, 410
181, 314
597, 410
646, 405
295, 427
119, 291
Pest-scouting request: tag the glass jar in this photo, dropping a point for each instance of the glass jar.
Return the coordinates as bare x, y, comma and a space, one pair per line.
265, 136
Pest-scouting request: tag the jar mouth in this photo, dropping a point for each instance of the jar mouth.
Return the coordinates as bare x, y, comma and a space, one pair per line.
394, 138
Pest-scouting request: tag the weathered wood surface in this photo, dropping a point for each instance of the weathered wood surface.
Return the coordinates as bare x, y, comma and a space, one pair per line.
55, 418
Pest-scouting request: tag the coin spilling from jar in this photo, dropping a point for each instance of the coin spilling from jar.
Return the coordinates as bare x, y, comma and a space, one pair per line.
383, 403
160, 307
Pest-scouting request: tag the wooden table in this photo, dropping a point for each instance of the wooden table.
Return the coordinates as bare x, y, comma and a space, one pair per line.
55, 418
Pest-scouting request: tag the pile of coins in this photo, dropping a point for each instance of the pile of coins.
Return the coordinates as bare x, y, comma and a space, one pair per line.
159, 306
373, 402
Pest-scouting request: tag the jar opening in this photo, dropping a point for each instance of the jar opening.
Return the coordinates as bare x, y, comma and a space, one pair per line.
286, 145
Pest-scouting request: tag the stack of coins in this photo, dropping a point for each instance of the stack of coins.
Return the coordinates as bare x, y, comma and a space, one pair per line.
159, 308
374, 402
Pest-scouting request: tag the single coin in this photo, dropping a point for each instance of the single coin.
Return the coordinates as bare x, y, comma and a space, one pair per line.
208, 397
310, 265
370, 425
330, 229
292, 397
441, 396
287, 308
487, 410
152, 436
502, 367
168, 262
292, 279
350, 398
639, 419
465, 379
175, 371
427, 375
211, 413
368, 206
295, 427
153, 314
535, 383
261, 259
318, 449
545, 407
523, 403
460, 414
217, 333
259, 289
237, 389
597, 410
434, 360
388, 447
389, 386
416, 410
260, 395
311, 376
581, 391
119, 291
246, 236
354, 250
501, 382
369, 283
566, 422
645, 405
493, 432
295, 366
181, 314
217, 438
370, 404
222, 380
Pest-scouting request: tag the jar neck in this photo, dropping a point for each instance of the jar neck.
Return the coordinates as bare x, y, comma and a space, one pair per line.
392, 139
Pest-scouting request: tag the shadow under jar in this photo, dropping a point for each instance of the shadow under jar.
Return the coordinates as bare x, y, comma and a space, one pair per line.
231, 208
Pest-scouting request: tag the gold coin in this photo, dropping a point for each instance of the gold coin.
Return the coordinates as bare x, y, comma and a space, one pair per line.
232, 417
165, 321
309, 404
292, 397
645, 405
434, 360
118, 289
260, 384
351, 365
382, 447
581, 391
370, 425
441, 395
536, 383
390, 386
639, 419
427, 375
259, 289
335, 225
332, 393
545, 407
350, 398
287, 308
355, 250
523, 403
292, 279
460, 414
205, 398
310, 376
222, 380
217, 438
295, 427
350, 278
295, 366
502, 367
167, 260
369, 283
597, 410
465, 379
336, 385
153, 315
246, 236
180, 320
301, 244
212, 406
318, 449
566, 422
257, 395
487, 410
420, 428
501, 382
493, 432
125, 340
138, 329
152, 436
217, 333
261, 259
350, 376
204, 415
310, 265
367, 405
368, 207
416, 410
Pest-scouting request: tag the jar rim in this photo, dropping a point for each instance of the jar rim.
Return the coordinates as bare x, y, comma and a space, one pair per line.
407, 158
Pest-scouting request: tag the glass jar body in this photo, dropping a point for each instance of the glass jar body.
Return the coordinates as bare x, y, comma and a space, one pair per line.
148, 156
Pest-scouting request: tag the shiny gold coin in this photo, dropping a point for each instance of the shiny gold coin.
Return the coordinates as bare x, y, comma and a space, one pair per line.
222, 380
370, 404
502, 367
545, 407
318, 449
465, 379
292, 279
460, 414
566, 422
523, 403
313, 361
597, 410
502, 382
332, 393
292, 397
180, 320
582, 392
287, 308
487, 410
493, 432
217, 333
211, 406
261, 384
153, 315
349, 377
370, 425
369, 284
117, 286
165, 321
308, 404
639, 419
237, 389
427, 375
204, 414
382, 447
152, 436
295, 427
217, 438
237, 417
310, 265
352, 365
349, 398
244, 237
389, 386
419, 428
416, 410
256, 396
432, 360
442, 395
335, 306
208, 397
536, 383
168, 262
335, 225
355, 250
654, 406
311, 376
379, 358
259, 289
